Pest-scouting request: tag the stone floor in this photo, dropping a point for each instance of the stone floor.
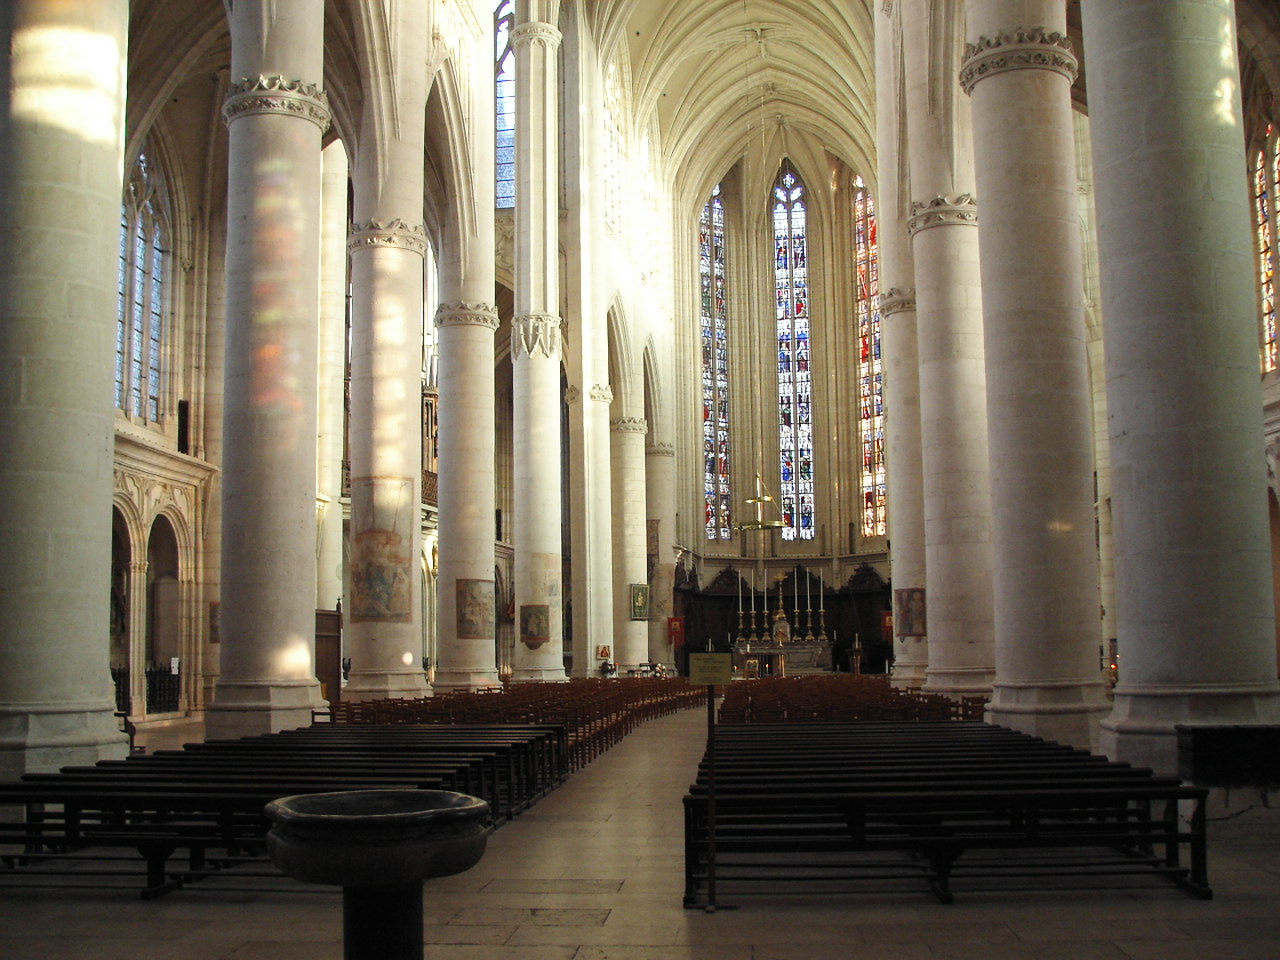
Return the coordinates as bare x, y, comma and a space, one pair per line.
594, 872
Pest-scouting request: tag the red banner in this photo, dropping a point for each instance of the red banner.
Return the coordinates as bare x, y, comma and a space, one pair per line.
675, 632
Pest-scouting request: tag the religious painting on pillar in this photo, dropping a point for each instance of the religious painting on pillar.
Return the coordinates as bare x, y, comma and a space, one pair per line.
475, 609
909, 609
639, 601
535, 624
382, 572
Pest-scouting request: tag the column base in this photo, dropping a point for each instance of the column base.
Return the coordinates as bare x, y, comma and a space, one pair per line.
910, 663
959, 681
539, 675
386, 684
1140, 729
43, 737
1065, 711
247, 708
467, 679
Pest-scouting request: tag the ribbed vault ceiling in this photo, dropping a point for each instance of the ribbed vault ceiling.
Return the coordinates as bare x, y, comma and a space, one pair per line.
726, 78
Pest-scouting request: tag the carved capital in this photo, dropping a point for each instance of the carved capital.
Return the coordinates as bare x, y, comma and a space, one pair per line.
252, 96
388, 233
895, 300
572, 394
1022, 48
629, 425
464, 313
533, 31
600, 393
535, 335
659, 450
941, 211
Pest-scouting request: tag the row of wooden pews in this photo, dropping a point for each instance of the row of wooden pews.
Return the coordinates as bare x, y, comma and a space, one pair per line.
815, 807
595, 713
838, 697
207, 799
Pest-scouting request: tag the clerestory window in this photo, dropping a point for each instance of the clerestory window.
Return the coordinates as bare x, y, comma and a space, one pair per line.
718, 501
140, 322
870, 375
504, 88
795, 381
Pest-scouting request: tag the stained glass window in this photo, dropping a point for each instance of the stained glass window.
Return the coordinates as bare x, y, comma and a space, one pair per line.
505, 104
1266, 176
140, 291
870, 376
795, 382
715, 371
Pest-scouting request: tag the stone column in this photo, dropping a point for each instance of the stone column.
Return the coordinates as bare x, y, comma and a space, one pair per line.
1193, 561
332, 374
536, 353
139, 600
953, 398
631, 633
1047, 623
212, 382
276, 113
467, 658
388, 245
904, 471
466, 322
591, 520
660, 500
61, 156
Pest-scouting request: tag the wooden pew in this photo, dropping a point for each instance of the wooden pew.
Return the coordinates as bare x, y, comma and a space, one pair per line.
820, 806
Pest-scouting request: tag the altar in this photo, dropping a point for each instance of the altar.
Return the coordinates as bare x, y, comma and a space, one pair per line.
753, 659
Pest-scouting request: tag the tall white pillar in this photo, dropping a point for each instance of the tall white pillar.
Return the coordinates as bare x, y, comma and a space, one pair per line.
276, 113
536, 352
904, 469
332, 374
388, 245
953, 391
466, 320
660, 498
61, 156
1193, 560
631, 576
1019, 75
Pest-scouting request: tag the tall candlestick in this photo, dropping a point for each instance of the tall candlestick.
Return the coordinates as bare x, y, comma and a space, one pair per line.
822, 603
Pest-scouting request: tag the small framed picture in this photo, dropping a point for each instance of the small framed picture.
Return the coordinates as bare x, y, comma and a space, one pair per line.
639, 601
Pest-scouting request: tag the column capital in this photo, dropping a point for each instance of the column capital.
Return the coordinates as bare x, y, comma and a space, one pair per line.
535, 334
534, 31
896, 300
629, 425
388, 233
251, 96
601, 393
942, 210
466, 313
659, 449
1018, 48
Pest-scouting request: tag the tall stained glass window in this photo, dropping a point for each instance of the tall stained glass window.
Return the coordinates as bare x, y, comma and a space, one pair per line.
870, 376
795, 383
140, 328
715, 371
504, 84
1266, 177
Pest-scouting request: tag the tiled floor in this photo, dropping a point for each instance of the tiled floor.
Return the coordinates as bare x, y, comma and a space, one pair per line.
594, 872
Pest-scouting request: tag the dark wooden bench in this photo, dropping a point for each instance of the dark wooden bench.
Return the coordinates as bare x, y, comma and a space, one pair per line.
819, 810
208, 798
